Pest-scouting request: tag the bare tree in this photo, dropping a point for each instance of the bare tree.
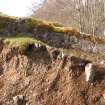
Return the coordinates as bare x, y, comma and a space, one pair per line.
90, 15
86, 15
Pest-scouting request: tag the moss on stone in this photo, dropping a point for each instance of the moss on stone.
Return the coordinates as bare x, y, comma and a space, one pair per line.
33, 22
53, 27
59, 29
3, 25
37, 22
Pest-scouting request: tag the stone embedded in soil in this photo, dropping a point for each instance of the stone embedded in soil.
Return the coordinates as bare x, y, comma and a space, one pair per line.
89, 72
19, 100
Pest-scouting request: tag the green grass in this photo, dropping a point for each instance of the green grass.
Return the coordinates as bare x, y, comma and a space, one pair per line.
58, 29
22, 42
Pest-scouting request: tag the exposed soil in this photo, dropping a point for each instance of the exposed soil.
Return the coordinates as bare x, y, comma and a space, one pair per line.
47, 79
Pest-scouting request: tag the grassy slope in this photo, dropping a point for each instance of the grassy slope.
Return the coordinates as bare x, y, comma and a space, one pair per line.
22, 42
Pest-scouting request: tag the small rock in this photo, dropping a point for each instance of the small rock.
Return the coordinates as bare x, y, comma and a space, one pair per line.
36, 45
62, 55
102, 62
19, 100
89, 72
102, 99
104, 96
63, 62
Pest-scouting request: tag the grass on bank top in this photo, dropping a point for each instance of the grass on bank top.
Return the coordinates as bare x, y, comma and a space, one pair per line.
18, 40
22, 42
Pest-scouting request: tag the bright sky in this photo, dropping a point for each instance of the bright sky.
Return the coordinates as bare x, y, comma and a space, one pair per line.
20, 8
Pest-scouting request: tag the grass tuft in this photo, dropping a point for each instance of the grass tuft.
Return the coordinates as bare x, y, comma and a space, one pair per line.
22, 42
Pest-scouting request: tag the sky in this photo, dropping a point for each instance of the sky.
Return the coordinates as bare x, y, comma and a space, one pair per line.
18, 8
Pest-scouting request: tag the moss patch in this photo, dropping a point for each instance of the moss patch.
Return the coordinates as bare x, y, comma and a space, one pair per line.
3, 25
37, 22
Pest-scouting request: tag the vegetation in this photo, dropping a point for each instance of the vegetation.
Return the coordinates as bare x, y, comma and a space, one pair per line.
83, 54
53, 26
37, 22
22, 42
86, 15
3, 25
6, 17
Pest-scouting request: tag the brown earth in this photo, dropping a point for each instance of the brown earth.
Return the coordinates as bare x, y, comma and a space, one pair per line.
45, 78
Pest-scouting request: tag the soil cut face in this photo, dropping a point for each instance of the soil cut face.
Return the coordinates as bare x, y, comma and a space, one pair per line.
43, 77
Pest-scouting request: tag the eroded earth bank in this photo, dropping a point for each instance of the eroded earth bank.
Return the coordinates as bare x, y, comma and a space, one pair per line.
45, 76
34, 73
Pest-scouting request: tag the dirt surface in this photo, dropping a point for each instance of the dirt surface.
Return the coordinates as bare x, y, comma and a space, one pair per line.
44, 77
